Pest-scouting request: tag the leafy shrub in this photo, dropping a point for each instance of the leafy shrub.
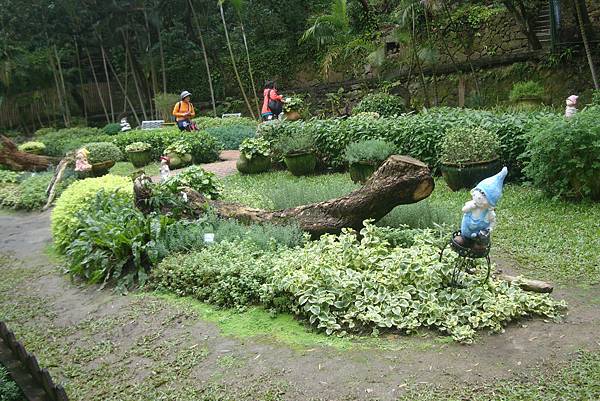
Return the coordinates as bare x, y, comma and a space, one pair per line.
384, 104
9, 391
114, 241
79, 197
103, 152
7, 176
226, 274
526, 90
180, 147
255, 146
211, 122
231, 137
37, 148
341, 283
372, 150
138, 147
112, 129
292, 104
30, 192
60, 142
565, 155
463, 145
302, 142
596, 97
196, 178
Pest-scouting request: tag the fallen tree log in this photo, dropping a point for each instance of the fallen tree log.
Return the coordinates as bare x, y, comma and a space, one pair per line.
400, 180
528, 285
16, 160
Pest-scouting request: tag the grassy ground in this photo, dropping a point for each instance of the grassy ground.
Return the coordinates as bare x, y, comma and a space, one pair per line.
551, 239
126, 169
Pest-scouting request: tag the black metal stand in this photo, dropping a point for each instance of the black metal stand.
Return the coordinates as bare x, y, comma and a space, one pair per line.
468, 251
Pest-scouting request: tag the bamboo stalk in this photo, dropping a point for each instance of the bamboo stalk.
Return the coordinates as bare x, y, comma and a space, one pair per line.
210, 85
97, 86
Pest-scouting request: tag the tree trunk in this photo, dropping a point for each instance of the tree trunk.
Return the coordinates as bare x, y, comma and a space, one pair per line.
586, 44
98, 86
529, 285
64, 90
235, 70
16, 160
81, 83
250, 72
135, 77
209, 77
400, 180
110, 98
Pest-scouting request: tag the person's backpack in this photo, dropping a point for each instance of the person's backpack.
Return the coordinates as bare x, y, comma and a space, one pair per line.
276, 106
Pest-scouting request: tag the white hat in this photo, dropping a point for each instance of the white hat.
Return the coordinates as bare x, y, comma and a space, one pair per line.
185, 94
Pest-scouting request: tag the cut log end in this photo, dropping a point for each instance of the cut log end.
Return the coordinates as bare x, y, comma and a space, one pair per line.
529, 285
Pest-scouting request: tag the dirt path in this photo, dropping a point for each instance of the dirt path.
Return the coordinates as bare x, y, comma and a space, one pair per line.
104, 346
222, 168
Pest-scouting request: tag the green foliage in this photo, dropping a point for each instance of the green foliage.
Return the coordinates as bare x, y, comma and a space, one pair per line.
78, 197
302, 142
112, 129
197, 179
345, 284
211, 122
9, 391
204, 148
230, 137
103, 152
372, 150
293, 104
255, 146
180, 147
565, 155
114, 241
37, 148
596, 97
384, 104
137, 147
164, 103
464, 145
9, 177
526, 90
30, 192
60, 142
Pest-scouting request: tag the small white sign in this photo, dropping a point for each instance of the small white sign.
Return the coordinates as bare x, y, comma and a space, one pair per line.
209, 238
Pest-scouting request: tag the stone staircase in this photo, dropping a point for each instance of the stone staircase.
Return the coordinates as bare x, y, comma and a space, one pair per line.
543, 26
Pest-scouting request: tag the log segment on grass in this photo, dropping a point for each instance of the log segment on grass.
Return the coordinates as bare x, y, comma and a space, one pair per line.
16, 160
400, 180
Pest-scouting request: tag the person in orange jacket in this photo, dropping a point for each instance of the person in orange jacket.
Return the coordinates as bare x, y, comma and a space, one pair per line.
272, 103
184, 112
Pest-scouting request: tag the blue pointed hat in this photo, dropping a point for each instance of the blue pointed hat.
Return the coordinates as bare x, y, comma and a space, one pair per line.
492, 186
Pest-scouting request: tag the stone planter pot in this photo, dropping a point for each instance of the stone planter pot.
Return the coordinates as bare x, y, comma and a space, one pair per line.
529, 102
361, 171
140, 159
469, 175
292, 116
179, 160
257, 164
301, 163
100, 169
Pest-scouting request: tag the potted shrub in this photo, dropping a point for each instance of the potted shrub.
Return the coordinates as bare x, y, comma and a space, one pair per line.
298, 153
254, 156
291, 108
365, 157
102, 156
382, 103
179, 153
139, 153
527, 94
36, 148
468, 155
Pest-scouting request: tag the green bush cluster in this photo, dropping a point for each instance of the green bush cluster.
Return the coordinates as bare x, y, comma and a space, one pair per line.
371, 150
112, 129
231, 137
102, 152
9, 391
29, 193
78, 197
464, 145
526, 90
384, 279
416, 135
37, 148
384, 104
205, 148
211, 122
198, 179
60, 142
8, 177
564, 155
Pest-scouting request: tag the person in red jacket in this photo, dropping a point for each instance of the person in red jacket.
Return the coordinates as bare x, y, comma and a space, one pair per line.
272, 103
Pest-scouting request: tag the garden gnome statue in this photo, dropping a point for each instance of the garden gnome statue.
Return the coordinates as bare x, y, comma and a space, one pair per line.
165, 171
125, 125
571, 109
81, 160
479, 217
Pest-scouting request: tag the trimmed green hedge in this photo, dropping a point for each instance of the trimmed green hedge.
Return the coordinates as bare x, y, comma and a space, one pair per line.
416, 135
212, 122
60, 142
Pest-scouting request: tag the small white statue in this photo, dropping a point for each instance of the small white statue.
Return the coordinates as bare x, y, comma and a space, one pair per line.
479, 218
165, 171
125, 125
571, 108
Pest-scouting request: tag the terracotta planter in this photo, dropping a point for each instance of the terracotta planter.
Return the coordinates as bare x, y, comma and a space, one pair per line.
299, 164
140, 159
361, 171
292, 116
100, 169
469, 175
257, 164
